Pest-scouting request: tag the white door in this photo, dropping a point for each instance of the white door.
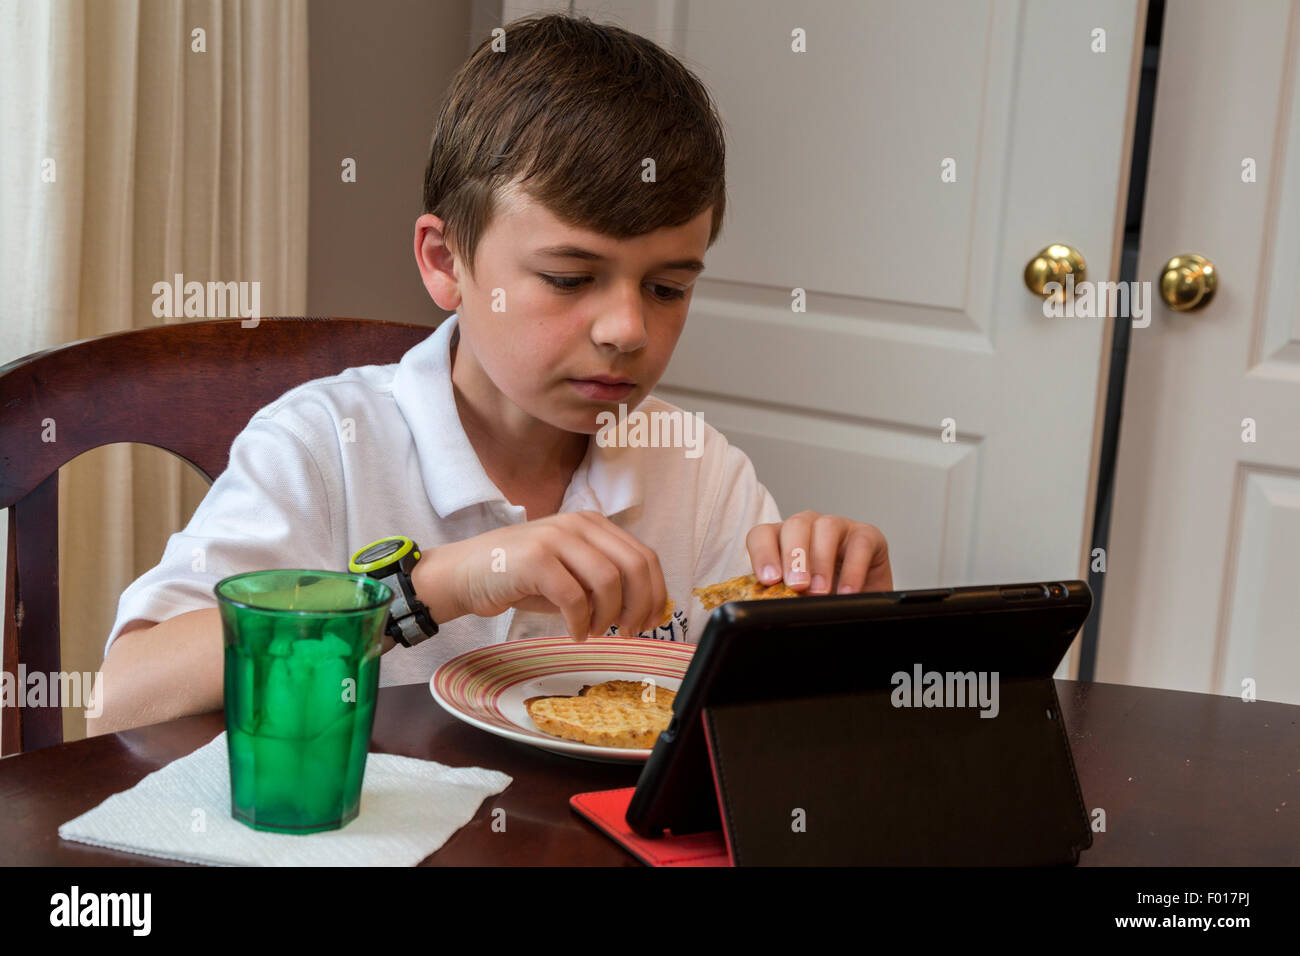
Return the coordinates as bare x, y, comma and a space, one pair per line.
917, 311
1203, 571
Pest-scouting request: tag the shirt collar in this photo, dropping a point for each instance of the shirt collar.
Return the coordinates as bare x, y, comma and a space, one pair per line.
607, 480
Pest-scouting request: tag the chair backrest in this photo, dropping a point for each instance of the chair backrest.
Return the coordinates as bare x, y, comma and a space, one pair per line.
189, 389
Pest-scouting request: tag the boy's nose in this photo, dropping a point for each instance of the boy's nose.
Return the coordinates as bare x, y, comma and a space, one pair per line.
622, 325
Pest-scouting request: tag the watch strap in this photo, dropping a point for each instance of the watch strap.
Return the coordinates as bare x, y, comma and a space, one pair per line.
409, 620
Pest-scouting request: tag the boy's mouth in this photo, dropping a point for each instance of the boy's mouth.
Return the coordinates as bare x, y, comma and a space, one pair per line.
605, 388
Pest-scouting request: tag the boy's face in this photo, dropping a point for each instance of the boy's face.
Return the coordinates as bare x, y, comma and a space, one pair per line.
540, 348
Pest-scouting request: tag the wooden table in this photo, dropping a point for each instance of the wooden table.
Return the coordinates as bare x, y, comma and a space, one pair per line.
1185, 779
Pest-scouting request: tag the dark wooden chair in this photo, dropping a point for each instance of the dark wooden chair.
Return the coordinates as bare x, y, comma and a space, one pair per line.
189, 389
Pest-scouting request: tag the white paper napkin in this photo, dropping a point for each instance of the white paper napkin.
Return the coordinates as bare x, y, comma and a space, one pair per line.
409, 808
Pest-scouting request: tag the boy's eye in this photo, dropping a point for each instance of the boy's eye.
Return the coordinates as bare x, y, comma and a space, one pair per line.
664, 293
563, 282
668, 293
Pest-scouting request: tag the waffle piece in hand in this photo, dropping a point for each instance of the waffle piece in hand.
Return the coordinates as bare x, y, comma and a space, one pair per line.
744, 588
667, 613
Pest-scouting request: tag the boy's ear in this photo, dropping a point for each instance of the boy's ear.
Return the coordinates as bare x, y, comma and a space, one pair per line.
437, 263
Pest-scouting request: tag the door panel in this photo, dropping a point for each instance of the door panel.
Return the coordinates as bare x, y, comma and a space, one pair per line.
1202, 573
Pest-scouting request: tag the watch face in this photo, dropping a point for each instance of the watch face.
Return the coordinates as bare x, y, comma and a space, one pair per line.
380, 550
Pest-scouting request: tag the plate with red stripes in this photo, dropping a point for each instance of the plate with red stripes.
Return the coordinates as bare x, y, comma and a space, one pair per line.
487, 686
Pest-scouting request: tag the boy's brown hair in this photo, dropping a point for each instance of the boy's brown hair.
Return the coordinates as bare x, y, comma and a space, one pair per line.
571, 108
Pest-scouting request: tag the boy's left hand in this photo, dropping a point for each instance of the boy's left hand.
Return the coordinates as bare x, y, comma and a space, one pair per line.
806, 549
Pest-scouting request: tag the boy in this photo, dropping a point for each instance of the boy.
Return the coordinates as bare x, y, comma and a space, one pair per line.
571, 272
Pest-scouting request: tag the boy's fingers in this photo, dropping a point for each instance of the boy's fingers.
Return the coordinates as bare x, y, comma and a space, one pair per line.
764, 546
828, 532
558, 585
644, 590
637, 588
602, 579
796, 539
597, 575
880, 576
859, 549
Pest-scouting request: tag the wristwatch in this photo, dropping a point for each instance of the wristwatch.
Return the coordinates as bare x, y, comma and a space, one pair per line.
392, 560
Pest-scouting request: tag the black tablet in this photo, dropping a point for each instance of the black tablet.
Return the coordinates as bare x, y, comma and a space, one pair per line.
857, 647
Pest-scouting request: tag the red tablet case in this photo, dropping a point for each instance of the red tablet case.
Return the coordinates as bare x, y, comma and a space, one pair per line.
607, 809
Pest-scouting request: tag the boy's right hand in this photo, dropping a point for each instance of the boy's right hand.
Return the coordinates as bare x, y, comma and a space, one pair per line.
579, 564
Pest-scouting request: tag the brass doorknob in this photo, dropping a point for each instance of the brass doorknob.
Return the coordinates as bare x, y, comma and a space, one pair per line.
1053, 264
1187, 282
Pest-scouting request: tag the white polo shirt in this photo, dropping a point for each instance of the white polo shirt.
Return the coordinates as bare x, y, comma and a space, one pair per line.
377, 450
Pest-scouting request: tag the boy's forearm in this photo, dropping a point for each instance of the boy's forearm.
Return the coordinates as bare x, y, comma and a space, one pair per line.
433, 586
158, 673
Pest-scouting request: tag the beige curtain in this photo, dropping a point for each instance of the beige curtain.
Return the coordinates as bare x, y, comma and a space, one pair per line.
166, 158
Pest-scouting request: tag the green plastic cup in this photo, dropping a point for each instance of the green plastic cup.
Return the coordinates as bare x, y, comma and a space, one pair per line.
302, 674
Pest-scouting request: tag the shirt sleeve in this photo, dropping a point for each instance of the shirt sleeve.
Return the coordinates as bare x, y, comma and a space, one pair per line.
740, 502
270, 508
